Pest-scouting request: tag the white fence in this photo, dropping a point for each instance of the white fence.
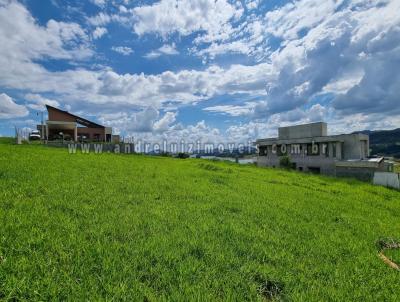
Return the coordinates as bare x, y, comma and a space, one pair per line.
387, 179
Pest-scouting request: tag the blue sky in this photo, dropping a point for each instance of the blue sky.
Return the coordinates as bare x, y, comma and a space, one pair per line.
210, 70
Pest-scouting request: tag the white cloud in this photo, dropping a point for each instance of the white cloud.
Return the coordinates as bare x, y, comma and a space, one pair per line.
143, 121
344, 82
165, 122
123, 50
38, 102
184, 17
166, 49
100, 3
233, 110
9, 109
103, 19
340, 51
152, 55
288, 21
23, 39
252, 4
99, 32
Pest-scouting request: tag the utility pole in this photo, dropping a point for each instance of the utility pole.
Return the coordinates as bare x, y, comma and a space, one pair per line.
41, 125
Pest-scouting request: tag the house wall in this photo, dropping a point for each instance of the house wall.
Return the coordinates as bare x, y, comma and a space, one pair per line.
347, 146
303, 162
360, 173
391, 180
55, 115
91, 132
355, 146
303, 131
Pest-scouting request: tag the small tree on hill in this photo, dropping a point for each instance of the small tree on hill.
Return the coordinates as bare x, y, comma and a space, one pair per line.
183, 155
284, 162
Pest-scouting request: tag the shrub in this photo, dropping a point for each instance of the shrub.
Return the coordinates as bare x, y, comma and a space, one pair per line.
183, 155
284, 162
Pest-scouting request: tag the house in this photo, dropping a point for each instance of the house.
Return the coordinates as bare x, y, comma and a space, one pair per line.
67, 126
310, 148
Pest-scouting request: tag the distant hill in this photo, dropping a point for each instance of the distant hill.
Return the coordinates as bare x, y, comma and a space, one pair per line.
384, 142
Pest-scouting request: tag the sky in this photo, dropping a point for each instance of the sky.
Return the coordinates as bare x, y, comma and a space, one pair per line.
209, 70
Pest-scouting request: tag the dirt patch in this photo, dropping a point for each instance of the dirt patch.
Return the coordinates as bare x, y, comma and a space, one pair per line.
271, 290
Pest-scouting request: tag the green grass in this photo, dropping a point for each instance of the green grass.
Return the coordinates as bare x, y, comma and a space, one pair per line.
124, 227
393, 255
6, 140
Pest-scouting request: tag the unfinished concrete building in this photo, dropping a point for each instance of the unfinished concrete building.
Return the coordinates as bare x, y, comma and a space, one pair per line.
310, 148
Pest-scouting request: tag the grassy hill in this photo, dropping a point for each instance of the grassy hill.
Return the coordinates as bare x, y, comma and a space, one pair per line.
126, 227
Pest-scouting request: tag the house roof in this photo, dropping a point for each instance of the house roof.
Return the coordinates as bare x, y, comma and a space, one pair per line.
78, 119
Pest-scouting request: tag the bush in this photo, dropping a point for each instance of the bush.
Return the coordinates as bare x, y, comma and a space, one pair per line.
284, 162
183, 155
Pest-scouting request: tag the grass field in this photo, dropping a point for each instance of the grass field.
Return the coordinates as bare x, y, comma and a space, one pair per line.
125, 227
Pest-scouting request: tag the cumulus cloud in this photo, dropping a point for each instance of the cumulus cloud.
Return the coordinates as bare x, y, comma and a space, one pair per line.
99, 32
184, 17
198, 132
103, 19
169, 50
38, 102
346, 48
252, 4
146, 120
9, 109
165, 122
100, 3
232, 110
22, 39
123, 50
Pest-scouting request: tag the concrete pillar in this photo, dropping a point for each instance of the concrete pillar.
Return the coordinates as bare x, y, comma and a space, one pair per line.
330, 149
75, 134
339, 150
47, 132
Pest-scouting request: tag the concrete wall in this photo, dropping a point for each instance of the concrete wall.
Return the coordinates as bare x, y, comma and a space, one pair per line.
302, 161
343, 147
387, 179
302, 131
364, 174
355, 146
55, 115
